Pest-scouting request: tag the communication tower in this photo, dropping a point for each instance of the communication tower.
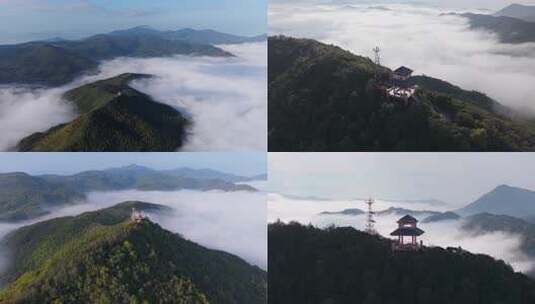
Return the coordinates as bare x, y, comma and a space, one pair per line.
370, 221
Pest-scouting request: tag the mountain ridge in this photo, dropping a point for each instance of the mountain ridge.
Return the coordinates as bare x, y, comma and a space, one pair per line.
24, 197
503, 200
113, 116
519, 11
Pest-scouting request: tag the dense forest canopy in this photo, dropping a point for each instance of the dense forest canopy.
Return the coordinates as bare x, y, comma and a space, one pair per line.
104, 257
343, 265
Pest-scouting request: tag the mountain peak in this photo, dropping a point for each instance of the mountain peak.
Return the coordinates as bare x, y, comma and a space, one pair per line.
505, 187
132, 168
518, 11
503, 200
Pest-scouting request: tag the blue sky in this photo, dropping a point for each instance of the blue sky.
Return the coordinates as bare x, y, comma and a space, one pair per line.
23, 20
246, 163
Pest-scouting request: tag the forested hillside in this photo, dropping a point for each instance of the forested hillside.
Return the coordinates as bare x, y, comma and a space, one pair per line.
113, 117
103, 257
323, 98
343, 265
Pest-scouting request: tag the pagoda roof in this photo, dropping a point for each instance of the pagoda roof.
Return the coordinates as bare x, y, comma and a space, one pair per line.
408, 231
407, 219
403, 71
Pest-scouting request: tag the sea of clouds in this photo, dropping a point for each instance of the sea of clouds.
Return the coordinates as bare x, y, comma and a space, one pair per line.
420, 37
224, 97
233, 222
501, 245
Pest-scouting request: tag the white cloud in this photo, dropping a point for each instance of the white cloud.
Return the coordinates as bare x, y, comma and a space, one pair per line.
226, 98
418, 37
23, 112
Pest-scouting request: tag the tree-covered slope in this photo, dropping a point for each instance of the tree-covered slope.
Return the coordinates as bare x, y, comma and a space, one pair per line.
41, 64
97, 94
130, 262
23, 196
342, 265
114, 117
31, 246
323, 98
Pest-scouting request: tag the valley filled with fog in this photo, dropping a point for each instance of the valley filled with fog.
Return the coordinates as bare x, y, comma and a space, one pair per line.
423, 37
225, 98
446, 233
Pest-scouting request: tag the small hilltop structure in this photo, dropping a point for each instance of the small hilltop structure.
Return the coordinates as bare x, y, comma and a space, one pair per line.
397, 86
407, 228
137, 216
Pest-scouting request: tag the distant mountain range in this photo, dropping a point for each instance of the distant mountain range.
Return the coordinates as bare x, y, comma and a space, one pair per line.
190, 35
24, 197
439, 217
112, 117
304, 262
104, 257
204, 174
352, 211
509, 30
57, 62
513, 24
502, 200
323, 98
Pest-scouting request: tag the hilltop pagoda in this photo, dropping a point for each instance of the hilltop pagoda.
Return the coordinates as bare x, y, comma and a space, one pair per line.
407, 227
137, 216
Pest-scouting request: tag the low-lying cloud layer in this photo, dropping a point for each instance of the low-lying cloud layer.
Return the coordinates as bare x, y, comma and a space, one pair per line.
224, 97
234, 222
419, 37
501, 245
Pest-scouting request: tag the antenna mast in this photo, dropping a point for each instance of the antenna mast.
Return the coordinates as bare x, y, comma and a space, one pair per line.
377, 52
370, 222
